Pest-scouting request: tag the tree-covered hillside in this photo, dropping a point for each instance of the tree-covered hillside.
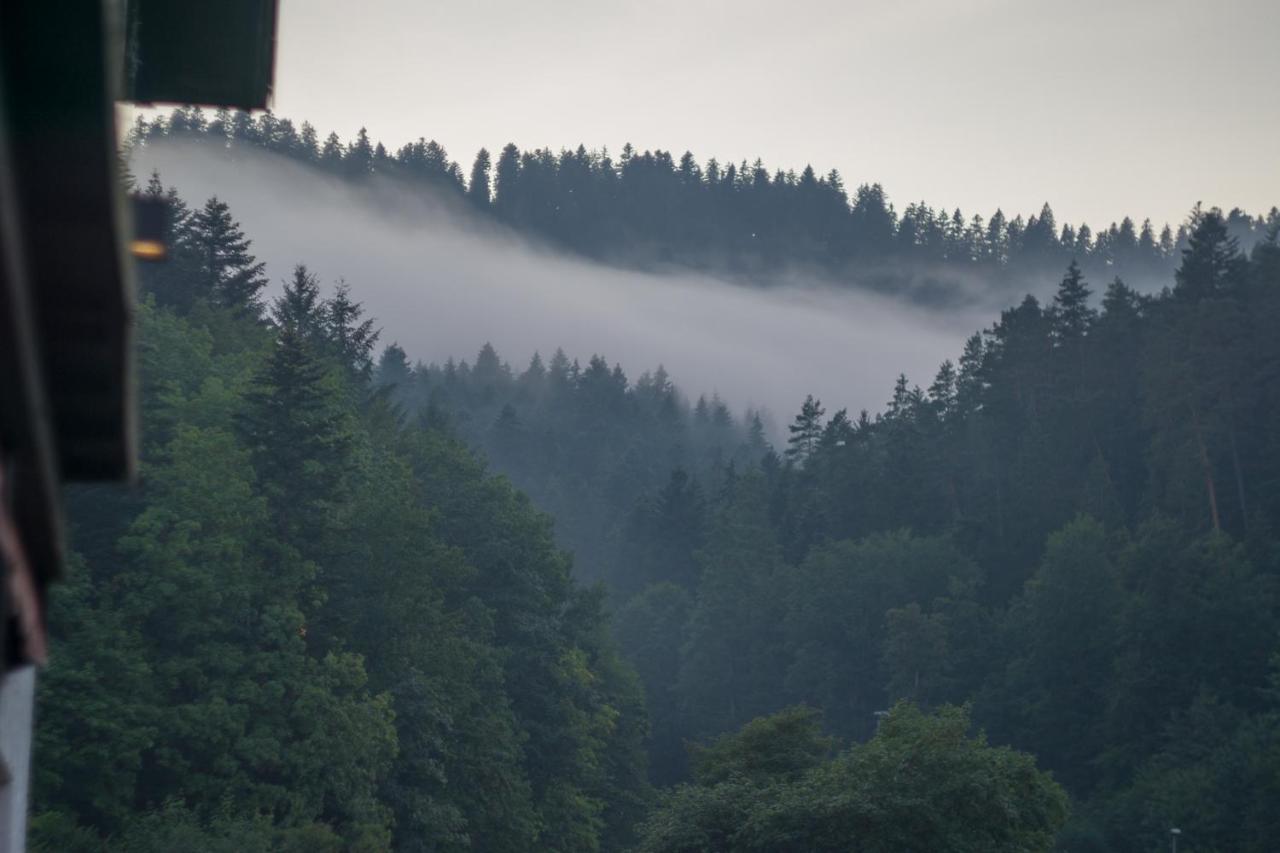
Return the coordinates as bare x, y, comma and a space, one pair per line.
1072, 527
321, 623
655, 209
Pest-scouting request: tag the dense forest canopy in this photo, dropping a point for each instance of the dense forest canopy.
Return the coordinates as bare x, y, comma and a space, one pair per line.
319, 624
337, 613
655, 209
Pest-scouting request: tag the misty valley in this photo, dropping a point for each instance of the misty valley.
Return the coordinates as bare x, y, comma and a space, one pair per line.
573, 502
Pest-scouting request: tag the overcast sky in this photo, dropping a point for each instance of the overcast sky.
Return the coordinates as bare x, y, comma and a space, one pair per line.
1102, 107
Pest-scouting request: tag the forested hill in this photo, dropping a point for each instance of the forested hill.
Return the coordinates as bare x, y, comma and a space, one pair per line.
1072, 526
317, 625
655, 209
321, 624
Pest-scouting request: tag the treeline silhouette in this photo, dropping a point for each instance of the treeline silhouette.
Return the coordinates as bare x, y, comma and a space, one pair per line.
654, 208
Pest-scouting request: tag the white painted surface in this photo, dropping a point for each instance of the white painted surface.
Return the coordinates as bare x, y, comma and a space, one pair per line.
17, 698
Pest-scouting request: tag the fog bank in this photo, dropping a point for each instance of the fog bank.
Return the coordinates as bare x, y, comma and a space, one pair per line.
441, 284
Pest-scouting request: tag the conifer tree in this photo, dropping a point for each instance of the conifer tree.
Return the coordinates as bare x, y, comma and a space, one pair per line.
478, 190
331, 154
299, 306
358, 161
308, 143
1071, 315
393, 368
351, 335
806, 431
220, 127
506, 181
298, 431
1212, 262
228, 274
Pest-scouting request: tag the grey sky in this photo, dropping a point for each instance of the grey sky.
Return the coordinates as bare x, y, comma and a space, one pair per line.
1104, 108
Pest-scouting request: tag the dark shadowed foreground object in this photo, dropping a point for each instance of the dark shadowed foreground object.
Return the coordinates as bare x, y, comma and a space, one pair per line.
149, 217
201, 53
66, 292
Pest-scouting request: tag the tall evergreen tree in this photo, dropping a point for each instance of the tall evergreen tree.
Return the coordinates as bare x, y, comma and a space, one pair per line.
299, 434
806, 431
1071, 315
478, 189
228, 274
349, 332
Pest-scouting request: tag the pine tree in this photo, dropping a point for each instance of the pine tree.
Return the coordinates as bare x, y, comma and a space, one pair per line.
478, 190
220, 128
942, 393
506, 181
308, 143
996, 244
393, 368
806, 431
1071, 316
1212, 262
299, 434
351, 336
299, 306
358, 162
228, 274
331, 155
243, 128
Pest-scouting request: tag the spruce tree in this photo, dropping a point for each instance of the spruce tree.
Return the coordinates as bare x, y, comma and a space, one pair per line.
478, 190
1212, 262
393, 368
358, 162
350, 334
228, 274
295, 424
299, 306
1071, 316
308, 143
506, 181
331, 154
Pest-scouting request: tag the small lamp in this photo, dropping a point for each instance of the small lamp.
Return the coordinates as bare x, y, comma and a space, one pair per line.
150, 213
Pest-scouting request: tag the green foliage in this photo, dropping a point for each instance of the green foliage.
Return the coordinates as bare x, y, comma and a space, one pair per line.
313, 627
226, 273
1072, 527
846, 648
651, 633
321, 623
1217, 778
922, 783
781, 745
734, 655
1063, 642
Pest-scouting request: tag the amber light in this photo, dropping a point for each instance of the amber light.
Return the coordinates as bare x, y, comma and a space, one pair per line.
150, 215
147, 250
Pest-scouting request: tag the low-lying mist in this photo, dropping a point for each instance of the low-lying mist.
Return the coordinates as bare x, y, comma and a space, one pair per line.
441, 283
